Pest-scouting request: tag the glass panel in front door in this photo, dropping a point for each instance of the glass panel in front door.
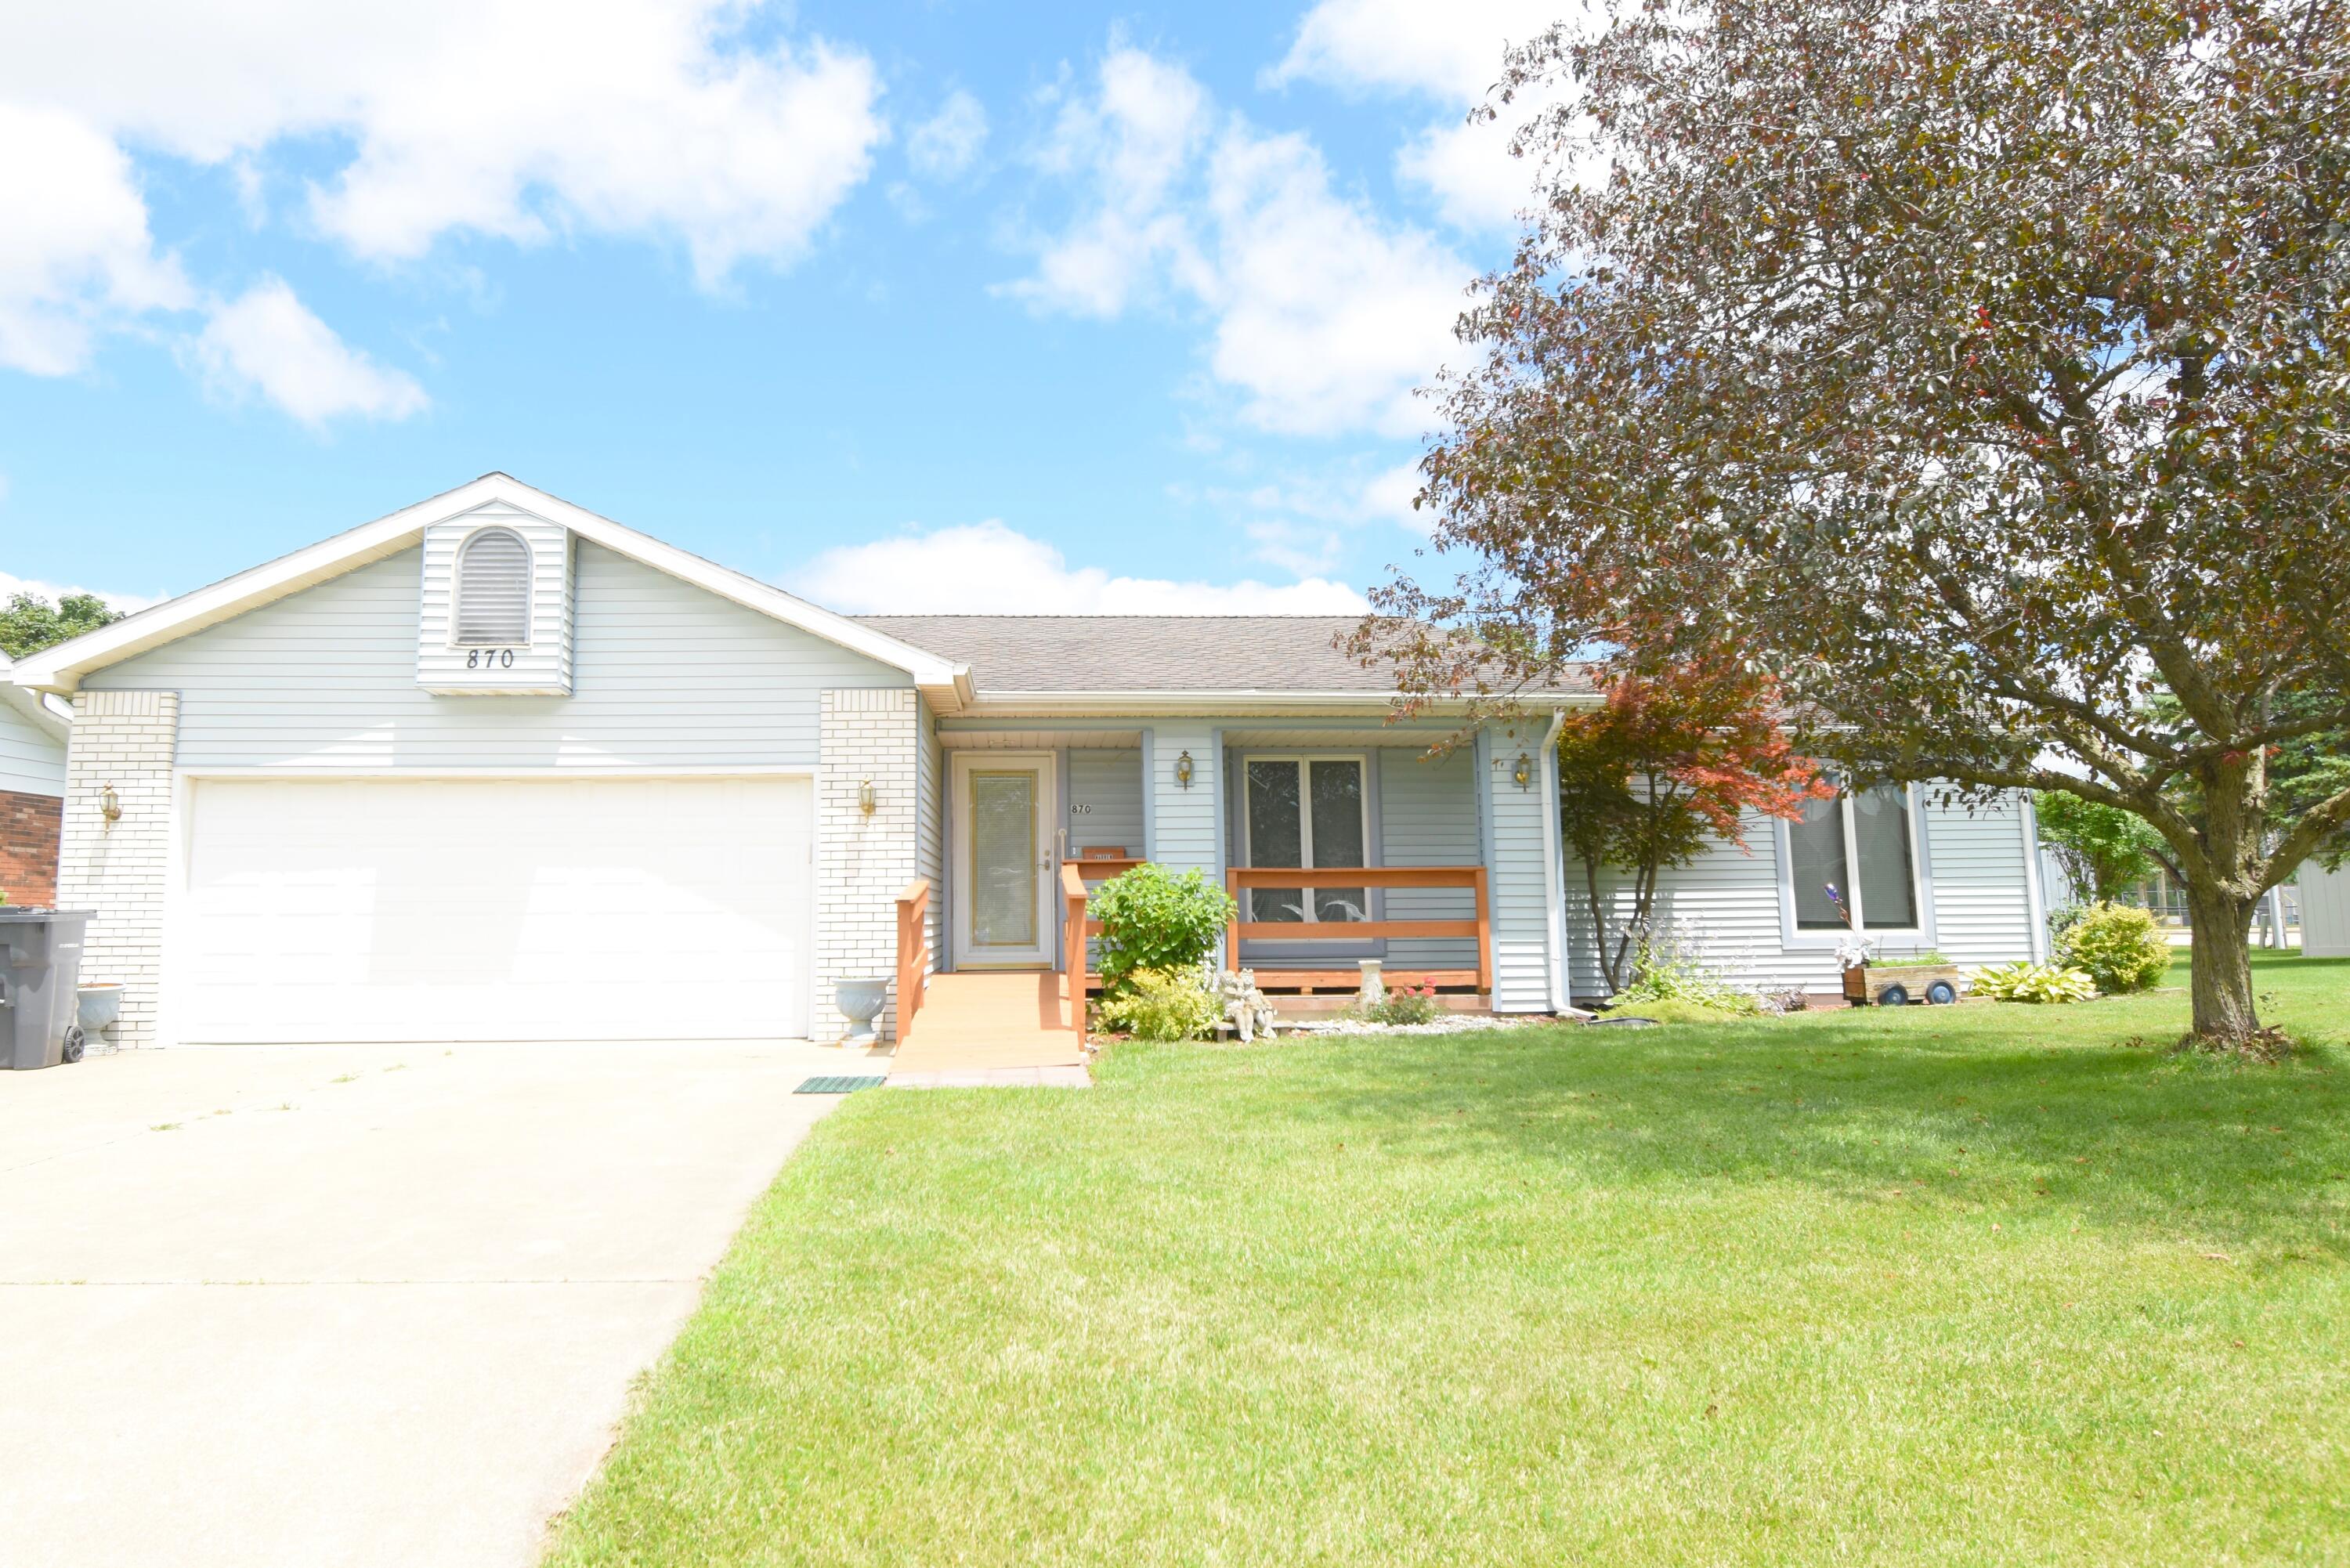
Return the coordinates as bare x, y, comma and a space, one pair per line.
1004, 859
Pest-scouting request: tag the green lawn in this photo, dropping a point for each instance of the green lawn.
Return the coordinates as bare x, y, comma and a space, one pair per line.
1948, 1285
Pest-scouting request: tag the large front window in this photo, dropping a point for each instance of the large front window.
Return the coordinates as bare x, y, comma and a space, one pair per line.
1853, 856
1307, 811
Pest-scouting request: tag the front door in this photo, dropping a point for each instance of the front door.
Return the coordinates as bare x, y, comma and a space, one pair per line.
1005, 857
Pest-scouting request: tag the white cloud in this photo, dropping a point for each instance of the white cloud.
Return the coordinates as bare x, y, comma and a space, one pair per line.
1467, 170
11, 586
1451, 54
268, 341
1450, 51
512, 119
1297, 547
946, 145
986, 566
1326, 317
1130, 145
1389, 495
75, 253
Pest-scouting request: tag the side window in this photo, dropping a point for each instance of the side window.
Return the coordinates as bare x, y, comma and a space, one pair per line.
1853, 855
492, 590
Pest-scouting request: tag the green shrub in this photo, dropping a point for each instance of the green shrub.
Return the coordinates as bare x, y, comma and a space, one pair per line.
2120, 947
1162, 1005
2025, 981
1664, 973
1153, 920
1404, 1005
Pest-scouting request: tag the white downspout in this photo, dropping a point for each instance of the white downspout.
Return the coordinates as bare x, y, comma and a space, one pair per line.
2033, 897
1553, 864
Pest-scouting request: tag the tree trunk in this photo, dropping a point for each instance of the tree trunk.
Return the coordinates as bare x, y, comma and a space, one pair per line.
2221, 961
1611, 954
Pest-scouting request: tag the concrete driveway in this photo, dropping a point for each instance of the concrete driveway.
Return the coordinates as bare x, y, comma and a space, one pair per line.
354, 1304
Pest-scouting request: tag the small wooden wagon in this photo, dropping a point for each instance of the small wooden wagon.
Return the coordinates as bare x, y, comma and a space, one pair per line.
1899, 984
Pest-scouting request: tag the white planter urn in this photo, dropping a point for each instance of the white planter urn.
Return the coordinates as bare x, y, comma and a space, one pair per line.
1375, 990
860, 1003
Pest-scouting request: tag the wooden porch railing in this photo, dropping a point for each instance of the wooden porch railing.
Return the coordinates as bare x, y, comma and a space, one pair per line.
1239, 879
913, 951
1073, 946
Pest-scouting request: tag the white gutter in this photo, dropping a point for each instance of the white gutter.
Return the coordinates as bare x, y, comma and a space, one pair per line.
1210, 703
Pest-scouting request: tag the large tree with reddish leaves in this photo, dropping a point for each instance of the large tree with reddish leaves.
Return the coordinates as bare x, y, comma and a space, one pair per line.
1667, 766
1979, 368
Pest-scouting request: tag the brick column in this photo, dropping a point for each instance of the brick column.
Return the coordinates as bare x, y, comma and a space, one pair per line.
864, 862
117, 870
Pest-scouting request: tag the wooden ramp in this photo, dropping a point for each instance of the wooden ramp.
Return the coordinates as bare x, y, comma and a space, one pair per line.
988, 1021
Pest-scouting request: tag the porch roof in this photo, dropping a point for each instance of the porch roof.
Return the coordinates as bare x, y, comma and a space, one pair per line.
1015, 656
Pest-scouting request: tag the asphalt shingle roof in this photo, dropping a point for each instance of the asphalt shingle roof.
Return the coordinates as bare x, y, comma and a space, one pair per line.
1142, 652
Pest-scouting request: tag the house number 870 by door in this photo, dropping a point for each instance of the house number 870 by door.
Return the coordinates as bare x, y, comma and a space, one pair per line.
489, 659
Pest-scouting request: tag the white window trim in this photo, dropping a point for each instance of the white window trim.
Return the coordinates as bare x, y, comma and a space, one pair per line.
1921, 899
457, 589
1305, 812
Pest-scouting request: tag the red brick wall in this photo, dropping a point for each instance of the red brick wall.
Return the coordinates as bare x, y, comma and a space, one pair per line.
29, 846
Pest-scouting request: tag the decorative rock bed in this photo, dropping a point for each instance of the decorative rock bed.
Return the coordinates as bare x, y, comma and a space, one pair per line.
1443, 1024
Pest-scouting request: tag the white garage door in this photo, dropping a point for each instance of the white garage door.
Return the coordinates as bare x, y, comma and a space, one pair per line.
494, 909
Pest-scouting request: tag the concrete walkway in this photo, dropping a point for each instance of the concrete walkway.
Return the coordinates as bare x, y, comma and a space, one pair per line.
354, 1304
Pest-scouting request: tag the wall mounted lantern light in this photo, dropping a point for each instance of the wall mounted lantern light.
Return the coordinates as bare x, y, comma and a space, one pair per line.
1183, 769
1524, 771
865, 798
110, 805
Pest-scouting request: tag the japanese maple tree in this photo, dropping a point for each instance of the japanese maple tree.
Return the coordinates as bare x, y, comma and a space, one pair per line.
1978, 369
1666, 766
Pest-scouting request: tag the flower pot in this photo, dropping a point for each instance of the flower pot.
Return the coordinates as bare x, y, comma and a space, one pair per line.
860, 1003
101, 1006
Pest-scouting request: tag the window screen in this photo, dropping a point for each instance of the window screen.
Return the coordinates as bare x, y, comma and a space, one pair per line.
494, 589
1880, 843
1815, 850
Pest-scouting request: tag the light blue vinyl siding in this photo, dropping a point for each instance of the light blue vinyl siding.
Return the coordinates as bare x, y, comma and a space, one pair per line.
1427, 816
31, 761
1725, 904
1109, 785
666, 675
1185, 824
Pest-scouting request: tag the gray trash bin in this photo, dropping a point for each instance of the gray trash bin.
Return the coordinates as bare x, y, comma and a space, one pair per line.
40, 960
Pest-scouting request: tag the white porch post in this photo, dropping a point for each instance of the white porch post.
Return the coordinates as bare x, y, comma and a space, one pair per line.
1521, 869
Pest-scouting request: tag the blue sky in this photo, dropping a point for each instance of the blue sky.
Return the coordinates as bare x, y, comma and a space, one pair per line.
908, 306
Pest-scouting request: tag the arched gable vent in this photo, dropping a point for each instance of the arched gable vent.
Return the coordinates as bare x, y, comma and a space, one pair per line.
494, 589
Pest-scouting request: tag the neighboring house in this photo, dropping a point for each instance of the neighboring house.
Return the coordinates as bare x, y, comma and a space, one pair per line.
32, 792
497, 768
2324, 912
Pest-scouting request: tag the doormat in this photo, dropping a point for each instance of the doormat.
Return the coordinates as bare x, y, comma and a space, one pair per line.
837, 1085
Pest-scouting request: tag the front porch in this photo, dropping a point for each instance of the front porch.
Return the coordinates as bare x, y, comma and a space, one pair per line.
1340, 842
992, 1026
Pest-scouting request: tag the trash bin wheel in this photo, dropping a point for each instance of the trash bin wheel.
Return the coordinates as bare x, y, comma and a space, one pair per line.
75, 1043
1941, 993
1894, 995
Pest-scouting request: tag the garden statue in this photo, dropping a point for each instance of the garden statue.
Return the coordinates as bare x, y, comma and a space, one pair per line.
1247, 1009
